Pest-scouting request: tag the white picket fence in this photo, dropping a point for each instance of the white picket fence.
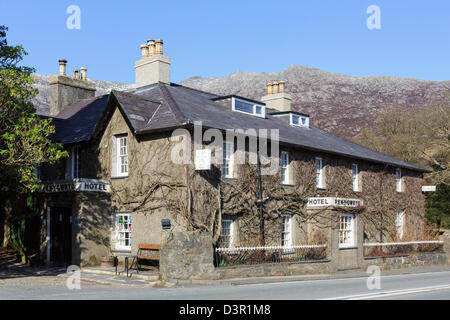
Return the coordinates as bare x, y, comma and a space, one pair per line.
284, 248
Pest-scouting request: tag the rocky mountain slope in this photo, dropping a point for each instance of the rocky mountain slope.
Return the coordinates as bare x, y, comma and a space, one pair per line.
337, 103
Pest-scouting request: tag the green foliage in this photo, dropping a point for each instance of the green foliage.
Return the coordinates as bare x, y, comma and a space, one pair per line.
438, 206
23, 135
421, 136
21, 225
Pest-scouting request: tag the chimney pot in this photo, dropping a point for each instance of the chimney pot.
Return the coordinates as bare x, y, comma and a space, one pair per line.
158, 46
76, 73
83, 73
269, 88
144, 50
275, 87
281, 86
276, 98
154, 70
151, 47
62, 67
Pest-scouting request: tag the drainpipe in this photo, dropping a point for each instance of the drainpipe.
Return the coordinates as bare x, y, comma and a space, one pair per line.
260, 201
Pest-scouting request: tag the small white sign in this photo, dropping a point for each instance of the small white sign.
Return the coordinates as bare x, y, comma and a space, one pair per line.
203, 159
335, 202
428, 188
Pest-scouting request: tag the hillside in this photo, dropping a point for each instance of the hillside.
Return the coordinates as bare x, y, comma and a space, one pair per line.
337, 103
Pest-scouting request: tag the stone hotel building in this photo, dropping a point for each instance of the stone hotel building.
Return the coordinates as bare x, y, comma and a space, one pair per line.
121, 179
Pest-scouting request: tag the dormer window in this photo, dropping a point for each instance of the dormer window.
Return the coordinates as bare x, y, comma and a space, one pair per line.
299, 121
295, 119
248, 107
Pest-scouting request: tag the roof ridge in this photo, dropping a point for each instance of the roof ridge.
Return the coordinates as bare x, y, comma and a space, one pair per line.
194, 89
134, 96
179, 116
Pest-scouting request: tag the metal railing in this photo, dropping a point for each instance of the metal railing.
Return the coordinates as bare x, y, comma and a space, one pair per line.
232, 256
380, 249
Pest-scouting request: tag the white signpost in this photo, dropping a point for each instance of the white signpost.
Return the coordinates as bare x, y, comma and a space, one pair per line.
203, 159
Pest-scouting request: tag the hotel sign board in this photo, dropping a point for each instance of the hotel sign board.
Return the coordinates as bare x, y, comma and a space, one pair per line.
334, 202
82, 185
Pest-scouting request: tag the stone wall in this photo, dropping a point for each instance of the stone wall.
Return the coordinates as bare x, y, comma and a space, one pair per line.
407, 261
446, 238
278, 269
186, 255
190, 256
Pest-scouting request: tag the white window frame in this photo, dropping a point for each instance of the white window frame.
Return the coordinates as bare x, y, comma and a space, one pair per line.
285, 168
263, 108
399, 222
319, 173
300, 120
231, 230
119, 157
398, 180
75, 162
286, 230
346, 230
355, 177
227, 159
126, 232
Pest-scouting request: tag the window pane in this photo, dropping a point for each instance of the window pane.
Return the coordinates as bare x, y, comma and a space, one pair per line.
345, 230
123, 230
243, 106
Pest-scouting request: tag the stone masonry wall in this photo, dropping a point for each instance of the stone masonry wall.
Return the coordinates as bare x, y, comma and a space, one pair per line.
190, 256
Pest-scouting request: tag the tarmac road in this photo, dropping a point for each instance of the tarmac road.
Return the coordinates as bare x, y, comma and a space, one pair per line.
423, 285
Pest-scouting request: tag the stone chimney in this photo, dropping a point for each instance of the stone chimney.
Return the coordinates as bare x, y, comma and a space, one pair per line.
65, 90
276, 98
153, 67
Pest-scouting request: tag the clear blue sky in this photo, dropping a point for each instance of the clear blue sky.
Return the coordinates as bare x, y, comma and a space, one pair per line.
214, 38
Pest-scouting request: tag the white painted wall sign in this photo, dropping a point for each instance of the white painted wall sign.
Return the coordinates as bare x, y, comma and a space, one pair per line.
83, 185
203, 159
334, 202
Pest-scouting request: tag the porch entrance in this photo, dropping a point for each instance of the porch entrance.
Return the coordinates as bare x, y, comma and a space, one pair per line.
61, 236
348, 251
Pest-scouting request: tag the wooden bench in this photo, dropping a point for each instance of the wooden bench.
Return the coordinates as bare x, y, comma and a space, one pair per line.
148, 252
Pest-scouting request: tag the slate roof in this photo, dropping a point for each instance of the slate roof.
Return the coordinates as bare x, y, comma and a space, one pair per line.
164, 107
76, 122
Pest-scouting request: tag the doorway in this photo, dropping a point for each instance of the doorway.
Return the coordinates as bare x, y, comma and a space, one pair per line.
61, 236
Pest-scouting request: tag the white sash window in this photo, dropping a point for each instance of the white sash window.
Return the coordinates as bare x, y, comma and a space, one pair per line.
73, 163
319, 173
346, 230
286, 230
355, 177
226, 233
399, 223
120, 156
398, 179
228, 160
284, 167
